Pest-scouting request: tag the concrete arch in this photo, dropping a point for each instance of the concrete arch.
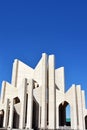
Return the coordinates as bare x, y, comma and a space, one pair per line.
62, 114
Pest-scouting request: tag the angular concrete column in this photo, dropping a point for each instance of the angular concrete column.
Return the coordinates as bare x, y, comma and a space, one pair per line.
14, 73
57, 117
83, 99
74, 109
30, 104
23, 104
44, 90
52, 93
80, 111
83, 105
5, 122
11, 113
3, 91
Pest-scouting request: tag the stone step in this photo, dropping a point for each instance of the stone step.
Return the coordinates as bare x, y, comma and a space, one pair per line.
40, 129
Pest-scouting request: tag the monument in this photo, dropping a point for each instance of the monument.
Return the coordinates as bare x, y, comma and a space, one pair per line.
36, 98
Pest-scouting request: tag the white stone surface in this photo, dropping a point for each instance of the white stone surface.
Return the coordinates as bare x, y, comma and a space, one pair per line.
30, 105
23, 104
47, 98
44, 89
11, 113
52, 93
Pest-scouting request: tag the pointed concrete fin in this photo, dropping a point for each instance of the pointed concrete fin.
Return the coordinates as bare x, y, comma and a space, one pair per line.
19, 72
3, 91
59, 79
14, 73
38, 70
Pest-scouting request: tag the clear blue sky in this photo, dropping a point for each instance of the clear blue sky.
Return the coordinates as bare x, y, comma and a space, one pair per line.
29, 28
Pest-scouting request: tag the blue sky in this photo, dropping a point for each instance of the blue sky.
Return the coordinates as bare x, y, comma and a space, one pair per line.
29, 28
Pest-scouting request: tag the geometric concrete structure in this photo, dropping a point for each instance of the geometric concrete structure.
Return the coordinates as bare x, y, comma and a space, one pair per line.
36, 98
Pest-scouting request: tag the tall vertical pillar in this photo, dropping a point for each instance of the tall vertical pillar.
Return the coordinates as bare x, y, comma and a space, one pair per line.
11, 113
5, 122
23, 104
52, 93
44, 90
57, 117
3, 91
83, 99
30, 105
80, 112
15, 73
74, 109
83, 104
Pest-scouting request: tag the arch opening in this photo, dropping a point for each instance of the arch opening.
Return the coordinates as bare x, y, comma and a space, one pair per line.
64, 114
35, 121
15, 113
16, 100
15, 119
86, 122
1, 118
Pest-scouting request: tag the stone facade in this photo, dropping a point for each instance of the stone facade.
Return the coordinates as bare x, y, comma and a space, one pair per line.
36, 98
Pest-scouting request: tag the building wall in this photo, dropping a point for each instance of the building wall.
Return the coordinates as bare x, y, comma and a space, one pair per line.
36, 98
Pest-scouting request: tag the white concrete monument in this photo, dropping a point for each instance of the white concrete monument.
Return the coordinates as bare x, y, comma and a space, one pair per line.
36, 98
